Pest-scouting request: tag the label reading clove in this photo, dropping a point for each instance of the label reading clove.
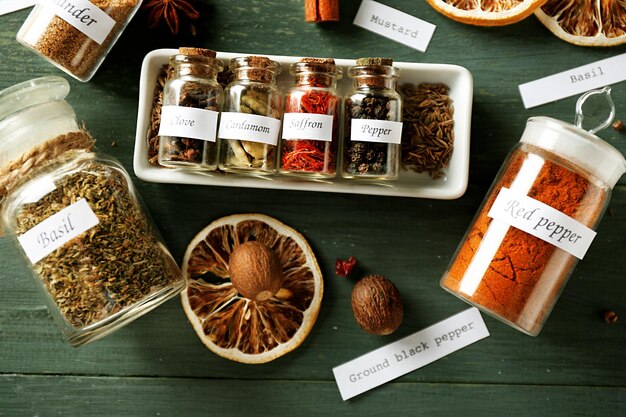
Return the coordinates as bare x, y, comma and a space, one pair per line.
188, 122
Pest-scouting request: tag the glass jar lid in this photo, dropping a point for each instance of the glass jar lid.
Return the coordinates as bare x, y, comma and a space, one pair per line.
578, 146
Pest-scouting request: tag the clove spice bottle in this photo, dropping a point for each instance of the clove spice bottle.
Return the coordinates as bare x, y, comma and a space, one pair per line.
76, 35
75, 217
192, 100
311, 120
250, 123
372, 121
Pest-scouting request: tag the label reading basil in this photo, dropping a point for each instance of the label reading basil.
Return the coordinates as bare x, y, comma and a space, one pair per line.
188, 122
84, 16
380, 131
57, 230
249, 127
308, 126
542, 221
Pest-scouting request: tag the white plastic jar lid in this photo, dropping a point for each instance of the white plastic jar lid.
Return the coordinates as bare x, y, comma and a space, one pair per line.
578, 146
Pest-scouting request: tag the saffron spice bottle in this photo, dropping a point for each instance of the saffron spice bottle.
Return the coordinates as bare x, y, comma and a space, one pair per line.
192, 100
537, 220
75, 217
76, 35
311, 120
250, 123
372, 121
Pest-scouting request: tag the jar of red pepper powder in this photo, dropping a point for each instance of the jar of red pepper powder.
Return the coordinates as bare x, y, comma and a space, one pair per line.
537, 221
311, 120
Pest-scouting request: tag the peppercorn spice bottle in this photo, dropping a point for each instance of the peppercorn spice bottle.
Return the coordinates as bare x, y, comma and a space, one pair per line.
76, 35
311, 120
74, 215
250, 123
537, 220
372, 121
192, 100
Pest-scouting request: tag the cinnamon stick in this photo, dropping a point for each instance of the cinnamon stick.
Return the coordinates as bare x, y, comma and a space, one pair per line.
321, 10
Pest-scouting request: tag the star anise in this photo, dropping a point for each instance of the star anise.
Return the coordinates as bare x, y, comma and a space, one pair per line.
170, 10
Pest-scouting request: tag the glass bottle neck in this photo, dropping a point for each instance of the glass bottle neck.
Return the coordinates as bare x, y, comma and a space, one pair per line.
195, 65
261, 75
374, 81
316, 79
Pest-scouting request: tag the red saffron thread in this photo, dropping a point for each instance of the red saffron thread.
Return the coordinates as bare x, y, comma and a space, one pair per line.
310, 155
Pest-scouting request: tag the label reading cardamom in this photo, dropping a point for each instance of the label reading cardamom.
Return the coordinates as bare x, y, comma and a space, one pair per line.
249, 127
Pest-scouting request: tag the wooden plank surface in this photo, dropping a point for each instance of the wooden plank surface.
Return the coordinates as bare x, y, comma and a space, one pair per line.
157, 366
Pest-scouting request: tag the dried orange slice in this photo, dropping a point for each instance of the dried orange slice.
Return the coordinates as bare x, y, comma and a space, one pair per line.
586, 22
486, 12
232, 325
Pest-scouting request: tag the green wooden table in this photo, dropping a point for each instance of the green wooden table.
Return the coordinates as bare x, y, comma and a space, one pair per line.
156, 366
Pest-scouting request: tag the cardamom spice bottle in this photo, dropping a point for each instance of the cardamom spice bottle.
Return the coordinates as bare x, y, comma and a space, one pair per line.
372, 121
75, 217
311, 120
76, 35
192, 100
250, 123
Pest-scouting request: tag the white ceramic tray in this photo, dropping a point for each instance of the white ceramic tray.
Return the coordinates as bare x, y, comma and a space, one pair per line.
409, 183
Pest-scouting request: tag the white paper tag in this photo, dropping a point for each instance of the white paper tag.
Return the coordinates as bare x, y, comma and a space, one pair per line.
394, 24
188, 122
308, 126
542, 221
574, 81
250, 127
38, 189
57, 230
84, 16
410, 353
380, 131
9, 6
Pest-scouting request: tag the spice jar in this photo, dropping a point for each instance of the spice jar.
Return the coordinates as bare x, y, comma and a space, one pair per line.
311, 120
76, 35
76, 218
250, 122
537, 220
192, 99
373, 121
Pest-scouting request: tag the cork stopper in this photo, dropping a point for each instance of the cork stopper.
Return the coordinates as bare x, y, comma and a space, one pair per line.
374, 61
197, 52
318, 61
255, 68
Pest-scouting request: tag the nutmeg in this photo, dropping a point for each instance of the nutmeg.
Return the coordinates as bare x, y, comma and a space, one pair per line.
255, 271
377, 305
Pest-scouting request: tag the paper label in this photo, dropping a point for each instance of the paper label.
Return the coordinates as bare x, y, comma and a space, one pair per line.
84, 16
542, 221
394, 24
574, 81
250, 127
413, 352
381, 131
9, 6
57, 230
308, 126
188, 122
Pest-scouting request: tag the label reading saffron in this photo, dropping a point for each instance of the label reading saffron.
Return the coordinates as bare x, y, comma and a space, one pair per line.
394, 24
250, 127
410, 353
308, 126
380, 131
188, 122
57, 230
84, 16
542, 221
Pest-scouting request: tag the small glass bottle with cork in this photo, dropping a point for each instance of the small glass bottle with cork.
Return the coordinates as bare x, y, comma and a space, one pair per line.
75, 216
76, 35
250, 122
192, 100
311, 120
372, 121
